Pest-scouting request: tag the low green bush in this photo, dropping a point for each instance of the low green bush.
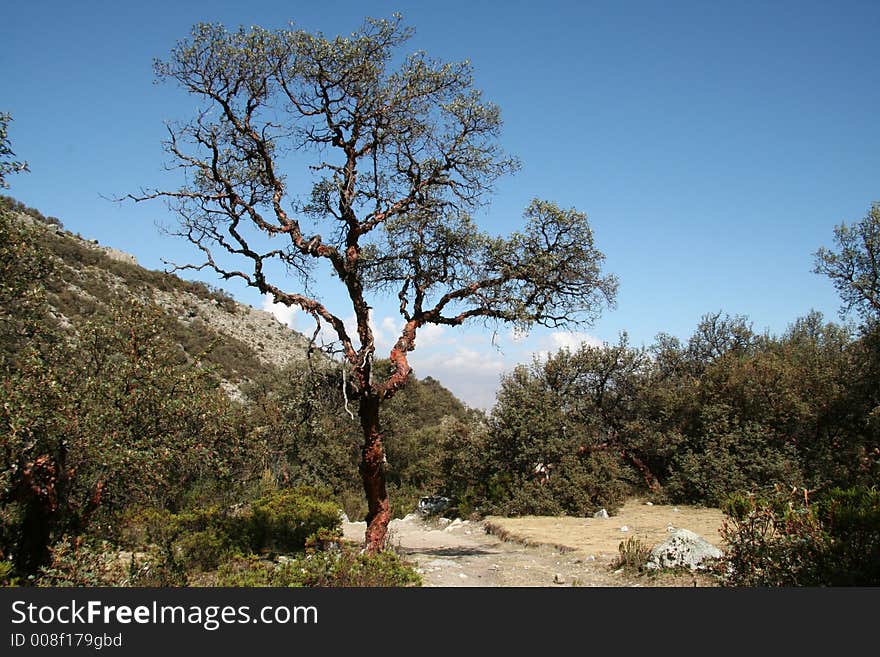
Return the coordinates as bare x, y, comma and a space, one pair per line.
282, 520
784, 540
341, 567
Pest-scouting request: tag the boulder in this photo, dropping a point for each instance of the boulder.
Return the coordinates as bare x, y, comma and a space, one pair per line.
601, 513
683, 548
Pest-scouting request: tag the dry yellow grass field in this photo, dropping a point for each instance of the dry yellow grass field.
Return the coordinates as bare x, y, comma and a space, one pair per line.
602, 536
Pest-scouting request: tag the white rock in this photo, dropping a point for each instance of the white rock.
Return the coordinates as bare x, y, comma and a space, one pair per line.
601, 513
649, 504
683, 548
624, 528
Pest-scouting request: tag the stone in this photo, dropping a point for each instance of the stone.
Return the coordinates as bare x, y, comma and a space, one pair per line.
649, 504
601, 513
624, 528
683, 548
558, 579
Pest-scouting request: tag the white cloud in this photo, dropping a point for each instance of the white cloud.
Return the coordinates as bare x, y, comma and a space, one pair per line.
571, 340
471, 375
284, 314
430, 334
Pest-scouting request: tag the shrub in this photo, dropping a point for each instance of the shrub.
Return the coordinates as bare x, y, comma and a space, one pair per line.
343, 567
785, 541
283, 520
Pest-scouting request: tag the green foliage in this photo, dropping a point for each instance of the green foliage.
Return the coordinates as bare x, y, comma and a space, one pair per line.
103, 420
342, 567
785, 541
283, 520
853, 266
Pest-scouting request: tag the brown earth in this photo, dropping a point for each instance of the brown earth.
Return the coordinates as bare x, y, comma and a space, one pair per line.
543, 551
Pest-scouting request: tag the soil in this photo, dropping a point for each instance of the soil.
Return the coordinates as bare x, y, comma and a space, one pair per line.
543, 551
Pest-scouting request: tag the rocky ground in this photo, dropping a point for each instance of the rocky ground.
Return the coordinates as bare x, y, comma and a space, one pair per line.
522, 552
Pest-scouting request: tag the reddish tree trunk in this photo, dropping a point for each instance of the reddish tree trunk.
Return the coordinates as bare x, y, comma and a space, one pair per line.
373, 475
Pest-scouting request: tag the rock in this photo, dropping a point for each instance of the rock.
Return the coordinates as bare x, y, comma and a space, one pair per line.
409, 517
624, 528
453, 525
683, 548
649, 504
670, 528
343, 516
592, 557
675, 509
558, 579
601, 513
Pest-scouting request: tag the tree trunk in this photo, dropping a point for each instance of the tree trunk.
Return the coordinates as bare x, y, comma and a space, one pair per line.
373, 475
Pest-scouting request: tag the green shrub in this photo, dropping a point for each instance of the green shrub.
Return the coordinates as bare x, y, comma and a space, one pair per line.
283, 520
343, 567
785, 541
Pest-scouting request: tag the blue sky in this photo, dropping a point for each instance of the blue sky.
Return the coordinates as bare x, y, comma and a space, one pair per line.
713, 145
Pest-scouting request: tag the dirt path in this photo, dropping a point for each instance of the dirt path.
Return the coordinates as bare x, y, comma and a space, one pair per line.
540, 551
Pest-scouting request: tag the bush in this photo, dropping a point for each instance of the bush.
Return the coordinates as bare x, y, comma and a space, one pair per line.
785, 541
342, 567
283, 520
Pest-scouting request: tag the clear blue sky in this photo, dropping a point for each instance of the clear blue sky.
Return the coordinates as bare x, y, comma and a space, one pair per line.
713, 145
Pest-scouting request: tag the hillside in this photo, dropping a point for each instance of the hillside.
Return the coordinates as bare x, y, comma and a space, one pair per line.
241, 340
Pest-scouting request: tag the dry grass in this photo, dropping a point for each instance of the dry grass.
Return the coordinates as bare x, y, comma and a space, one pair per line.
602, 536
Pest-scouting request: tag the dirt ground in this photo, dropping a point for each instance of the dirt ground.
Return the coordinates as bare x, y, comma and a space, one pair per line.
543, 551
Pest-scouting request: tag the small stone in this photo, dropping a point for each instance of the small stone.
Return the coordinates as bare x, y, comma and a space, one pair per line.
462, 575
592, 557
670, 528
558, 579
624, 528
649, 504
675, 509
601, 513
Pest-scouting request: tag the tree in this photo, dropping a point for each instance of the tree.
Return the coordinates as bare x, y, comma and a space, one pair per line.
402, 158
855, 267
7, 165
